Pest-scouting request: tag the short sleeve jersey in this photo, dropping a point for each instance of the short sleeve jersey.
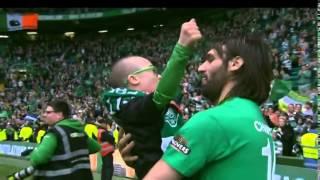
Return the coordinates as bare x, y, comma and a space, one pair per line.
226, 142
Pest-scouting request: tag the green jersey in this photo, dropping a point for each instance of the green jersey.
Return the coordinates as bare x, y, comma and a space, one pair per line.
226, 142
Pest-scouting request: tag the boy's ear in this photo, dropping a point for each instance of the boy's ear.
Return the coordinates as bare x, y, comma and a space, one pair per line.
133, 80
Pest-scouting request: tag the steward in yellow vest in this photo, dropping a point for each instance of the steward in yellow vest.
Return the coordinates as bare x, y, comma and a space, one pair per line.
309, 143
26, 133
91, 129
3, 134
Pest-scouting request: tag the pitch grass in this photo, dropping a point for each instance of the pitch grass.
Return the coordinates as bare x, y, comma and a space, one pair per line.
9, 165
6, 170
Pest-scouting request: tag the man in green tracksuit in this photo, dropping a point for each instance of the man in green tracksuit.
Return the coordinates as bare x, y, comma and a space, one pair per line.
140, 102
64, 151
231, 140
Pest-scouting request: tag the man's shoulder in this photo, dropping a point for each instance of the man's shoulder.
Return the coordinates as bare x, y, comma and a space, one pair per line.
69, 123
218, 113
235, 105
203, 117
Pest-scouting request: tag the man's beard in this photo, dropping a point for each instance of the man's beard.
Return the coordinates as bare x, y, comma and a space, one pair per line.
212, 89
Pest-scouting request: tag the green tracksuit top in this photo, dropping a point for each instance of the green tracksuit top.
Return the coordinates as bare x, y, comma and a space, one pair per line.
45, 150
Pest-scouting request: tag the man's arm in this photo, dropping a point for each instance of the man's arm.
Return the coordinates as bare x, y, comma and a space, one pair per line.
125, 146
167, 173
44, 151
173, 73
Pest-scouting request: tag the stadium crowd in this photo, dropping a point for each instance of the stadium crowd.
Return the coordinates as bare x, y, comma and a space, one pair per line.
77, 70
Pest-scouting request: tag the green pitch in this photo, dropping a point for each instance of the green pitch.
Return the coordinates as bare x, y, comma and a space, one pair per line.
10, 165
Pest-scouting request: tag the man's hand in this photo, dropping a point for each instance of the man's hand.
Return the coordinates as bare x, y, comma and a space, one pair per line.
189, 33
26, 152
125, 149
22, 174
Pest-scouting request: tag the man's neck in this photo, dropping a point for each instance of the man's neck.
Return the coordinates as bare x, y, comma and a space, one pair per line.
225, 91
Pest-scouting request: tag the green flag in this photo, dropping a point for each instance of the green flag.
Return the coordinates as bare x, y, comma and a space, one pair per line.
291, 98
279, 89
4, 114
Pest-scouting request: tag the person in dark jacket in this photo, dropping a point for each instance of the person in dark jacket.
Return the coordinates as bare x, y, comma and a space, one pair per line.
139, 100
285, 134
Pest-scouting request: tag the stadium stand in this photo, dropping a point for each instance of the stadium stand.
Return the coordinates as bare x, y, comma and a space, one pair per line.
33, 71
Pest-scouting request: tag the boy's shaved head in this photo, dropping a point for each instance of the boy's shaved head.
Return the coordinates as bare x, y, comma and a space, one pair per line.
125, 66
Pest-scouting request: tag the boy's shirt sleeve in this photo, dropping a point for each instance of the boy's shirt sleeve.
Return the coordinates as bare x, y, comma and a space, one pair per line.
172, 76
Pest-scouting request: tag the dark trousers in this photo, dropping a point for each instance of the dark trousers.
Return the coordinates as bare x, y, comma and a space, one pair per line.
107, 167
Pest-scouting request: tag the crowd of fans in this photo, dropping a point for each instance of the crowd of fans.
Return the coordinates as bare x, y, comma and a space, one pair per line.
77, 69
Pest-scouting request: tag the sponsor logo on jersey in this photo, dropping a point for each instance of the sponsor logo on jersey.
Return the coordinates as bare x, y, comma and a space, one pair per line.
171, 118
180, 144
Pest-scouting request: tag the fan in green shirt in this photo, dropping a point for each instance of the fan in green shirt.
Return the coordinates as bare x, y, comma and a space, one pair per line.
230, 140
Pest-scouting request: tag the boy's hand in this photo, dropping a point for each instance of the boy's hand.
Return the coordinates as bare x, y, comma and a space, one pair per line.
189, 33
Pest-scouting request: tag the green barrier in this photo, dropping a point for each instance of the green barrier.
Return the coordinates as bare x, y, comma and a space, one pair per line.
10, 165
290, 161
295, 173
292, 168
